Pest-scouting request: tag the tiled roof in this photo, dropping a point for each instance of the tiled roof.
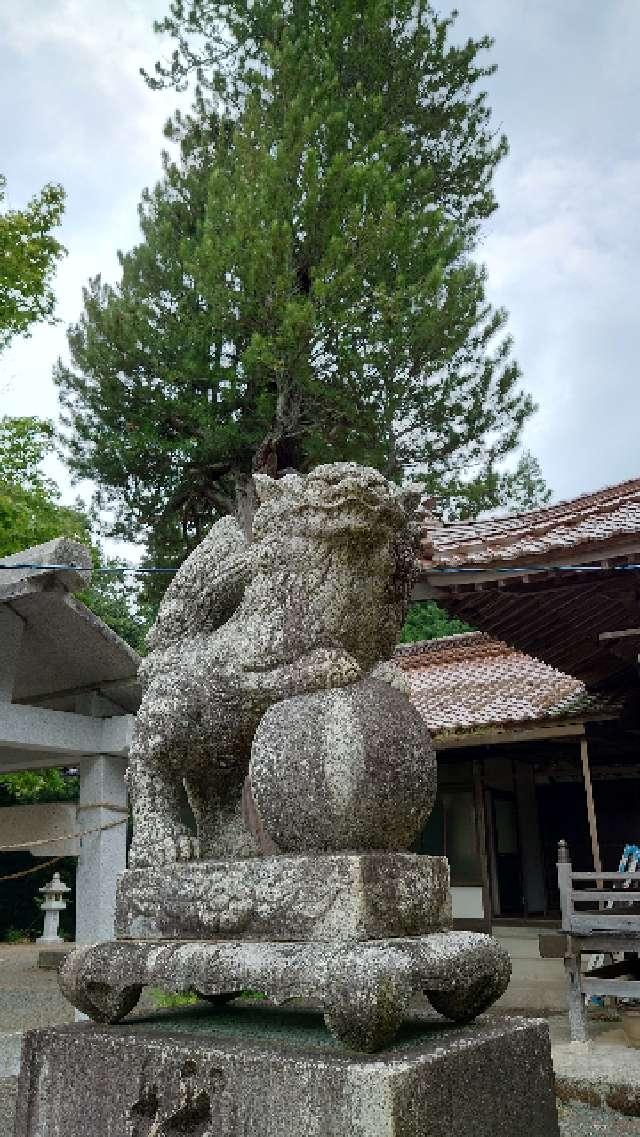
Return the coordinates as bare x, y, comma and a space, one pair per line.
465, 682
598, 523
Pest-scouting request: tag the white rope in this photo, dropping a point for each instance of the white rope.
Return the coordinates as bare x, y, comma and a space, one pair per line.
65, 836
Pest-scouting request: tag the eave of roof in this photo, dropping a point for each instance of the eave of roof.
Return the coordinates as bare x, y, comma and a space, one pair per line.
470, 684
65, 649
549, 581
586, 529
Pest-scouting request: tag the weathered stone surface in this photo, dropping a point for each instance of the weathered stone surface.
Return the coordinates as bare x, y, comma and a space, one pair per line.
364, 757
8, 1093
60, 551
340, 897
326, 581
365, 987
271, 1074
283, 645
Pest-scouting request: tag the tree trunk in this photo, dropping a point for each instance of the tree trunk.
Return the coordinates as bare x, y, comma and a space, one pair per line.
246, 502
394, 470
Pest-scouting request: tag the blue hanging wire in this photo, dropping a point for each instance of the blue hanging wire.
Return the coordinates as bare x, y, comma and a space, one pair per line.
85, 568
505, 570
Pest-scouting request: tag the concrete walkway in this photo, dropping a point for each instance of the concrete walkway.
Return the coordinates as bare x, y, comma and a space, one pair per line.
29, 998
537, 985
603, 1071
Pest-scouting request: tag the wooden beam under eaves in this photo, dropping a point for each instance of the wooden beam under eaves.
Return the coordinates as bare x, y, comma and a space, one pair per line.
515, 734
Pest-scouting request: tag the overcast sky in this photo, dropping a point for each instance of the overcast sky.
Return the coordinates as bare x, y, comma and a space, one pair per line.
563, 251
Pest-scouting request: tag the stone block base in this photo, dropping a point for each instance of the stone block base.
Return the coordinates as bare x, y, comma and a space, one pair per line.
344, 896
365, 988
267, 1073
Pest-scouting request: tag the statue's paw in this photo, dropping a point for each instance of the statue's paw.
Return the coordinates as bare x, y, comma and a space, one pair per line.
319, 670
331, 667
179, 846
390, 673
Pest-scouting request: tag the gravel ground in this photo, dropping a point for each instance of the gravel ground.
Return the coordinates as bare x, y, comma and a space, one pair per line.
578, 1120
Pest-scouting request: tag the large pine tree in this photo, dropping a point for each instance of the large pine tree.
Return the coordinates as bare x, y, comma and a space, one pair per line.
305, 289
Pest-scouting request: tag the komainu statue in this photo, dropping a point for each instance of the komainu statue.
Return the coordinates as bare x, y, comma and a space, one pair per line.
314, 603
271, 667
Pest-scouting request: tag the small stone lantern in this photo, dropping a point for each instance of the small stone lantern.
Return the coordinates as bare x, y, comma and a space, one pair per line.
52, 905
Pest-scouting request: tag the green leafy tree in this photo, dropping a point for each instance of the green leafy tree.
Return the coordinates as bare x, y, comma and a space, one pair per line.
30, 509
37, 785
29, 255
305, 289
525, 488
145, 352
427, 621
115, 597
514, 490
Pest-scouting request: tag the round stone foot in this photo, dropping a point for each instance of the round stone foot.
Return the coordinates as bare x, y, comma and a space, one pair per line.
367, 1000
218, 1000
106, 1004
364, 1028
468, 999
101, 1001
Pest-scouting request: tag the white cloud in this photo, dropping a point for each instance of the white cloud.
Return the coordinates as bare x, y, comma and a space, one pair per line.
565, 223
72, 70
564, 256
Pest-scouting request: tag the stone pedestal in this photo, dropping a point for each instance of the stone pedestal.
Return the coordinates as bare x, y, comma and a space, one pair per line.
266, 1073
334, 898
359, 933
365, 989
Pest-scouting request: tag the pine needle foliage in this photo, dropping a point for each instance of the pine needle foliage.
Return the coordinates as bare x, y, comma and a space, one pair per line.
306, 287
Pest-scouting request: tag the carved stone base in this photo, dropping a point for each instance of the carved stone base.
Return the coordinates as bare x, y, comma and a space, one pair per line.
278, 1074
364, 988
346, 896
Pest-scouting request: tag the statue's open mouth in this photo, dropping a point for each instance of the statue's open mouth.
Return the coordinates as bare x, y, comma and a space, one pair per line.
351, 500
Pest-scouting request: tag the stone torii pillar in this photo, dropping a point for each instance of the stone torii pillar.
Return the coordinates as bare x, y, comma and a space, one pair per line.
103, 853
